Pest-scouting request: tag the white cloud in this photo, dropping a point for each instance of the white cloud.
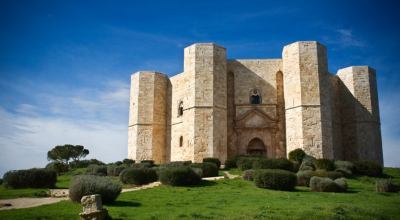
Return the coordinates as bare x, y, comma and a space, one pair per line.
94, 118
344, 38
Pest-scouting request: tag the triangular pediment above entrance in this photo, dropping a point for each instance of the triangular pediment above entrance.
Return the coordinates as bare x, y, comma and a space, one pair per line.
255, 117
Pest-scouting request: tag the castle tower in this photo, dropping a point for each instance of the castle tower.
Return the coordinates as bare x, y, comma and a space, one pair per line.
307, 99
360, 114
147, 116
208, 101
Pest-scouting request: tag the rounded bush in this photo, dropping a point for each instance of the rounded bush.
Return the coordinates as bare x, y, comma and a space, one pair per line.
369, 168
342, 183
57, 167
210, 169
216, 161
272, 163
148, 161
297, 155
119, 169
138, 176
84, 163
296, 166
230, 163
324, 164
344, 165
91, 167
128, 161
100, 169
324, 184
111, 170
345, 172
245, 163
118, 163
83, 185
275, 179
176, 164
308, 160
248, 175
178, 176
304, 167
33, 178
334, 175
198, 171
303, 179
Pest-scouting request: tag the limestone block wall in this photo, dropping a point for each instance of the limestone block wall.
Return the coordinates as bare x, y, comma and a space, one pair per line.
247, 75
360, 114
308, 109
147, 116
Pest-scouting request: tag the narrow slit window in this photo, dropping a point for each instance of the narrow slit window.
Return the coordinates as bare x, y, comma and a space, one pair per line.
180, 109
255, 97
181, 141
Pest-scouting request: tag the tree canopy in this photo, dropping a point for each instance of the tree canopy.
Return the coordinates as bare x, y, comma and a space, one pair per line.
63, 153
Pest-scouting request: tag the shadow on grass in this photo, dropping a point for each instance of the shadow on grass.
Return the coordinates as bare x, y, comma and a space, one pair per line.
124, 204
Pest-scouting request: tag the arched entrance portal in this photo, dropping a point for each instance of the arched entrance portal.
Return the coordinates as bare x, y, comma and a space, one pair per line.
256, 146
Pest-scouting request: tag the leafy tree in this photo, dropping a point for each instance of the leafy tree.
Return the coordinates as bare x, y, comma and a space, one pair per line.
63, 153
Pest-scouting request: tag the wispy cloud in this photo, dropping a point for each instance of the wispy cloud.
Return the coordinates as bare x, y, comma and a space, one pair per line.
95, 118
344, 38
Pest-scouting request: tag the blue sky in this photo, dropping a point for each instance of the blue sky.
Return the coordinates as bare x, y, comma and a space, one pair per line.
65, 66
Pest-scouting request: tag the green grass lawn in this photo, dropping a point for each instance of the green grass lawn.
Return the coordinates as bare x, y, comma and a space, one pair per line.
237, 199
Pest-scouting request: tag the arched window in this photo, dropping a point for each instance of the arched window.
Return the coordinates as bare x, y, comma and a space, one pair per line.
180, 109
255, 97
181, 141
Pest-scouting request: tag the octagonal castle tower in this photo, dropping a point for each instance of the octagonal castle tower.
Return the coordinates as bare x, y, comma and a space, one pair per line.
221, 108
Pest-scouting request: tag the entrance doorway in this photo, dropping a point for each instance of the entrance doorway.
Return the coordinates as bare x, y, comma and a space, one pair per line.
256, 146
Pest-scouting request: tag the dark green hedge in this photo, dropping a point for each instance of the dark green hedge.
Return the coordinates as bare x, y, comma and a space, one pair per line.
208, 169
324, 164
272, 163
179, 176
216, 161
369, 168
275, 179
33, 178
297, 155
324, 184
138, 176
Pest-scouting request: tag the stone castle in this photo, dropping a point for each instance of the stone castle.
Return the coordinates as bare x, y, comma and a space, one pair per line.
221, 108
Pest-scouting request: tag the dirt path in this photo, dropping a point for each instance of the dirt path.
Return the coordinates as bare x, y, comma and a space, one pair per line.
32, 202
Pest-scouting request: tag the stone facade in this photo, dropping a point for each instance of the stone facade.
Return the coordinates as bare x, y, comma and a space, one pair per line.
221, 108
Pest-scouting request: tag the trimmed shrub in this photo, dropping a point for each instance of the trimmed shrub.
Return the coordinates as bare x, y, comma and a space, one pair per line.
245, 163
297, 155
100, 169
178, 176
148, 161
267, 163
119, 169
110, 170
198, 171
83, 185
345, 165
210, 169
308, 160
248, 175
334, 175
387, 186
138, 176
230, 163
216, 161
84, 163
324, 184
369, 168
324, 164
91, 167
342, 183
176, 164
128, 161
275, 179
57, 167
33, 178
304, 167
303, 179
118, 163
345, 172
295, 166
141, 165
